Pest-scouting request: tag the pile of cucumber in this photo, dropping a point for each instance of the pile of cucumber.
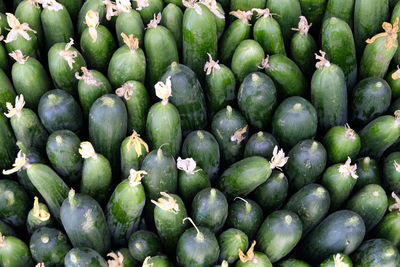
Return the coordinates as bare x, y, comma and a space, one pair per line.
197, 133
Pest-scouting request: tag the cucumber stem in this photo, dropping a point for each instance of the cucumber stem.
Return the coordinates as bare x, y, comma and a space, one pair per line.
200, 134
146, 262
125, 91
314, 147
19, 57
303, 26
247, 204
155, 21
224, 264
39, 213
396, 205
249, 254
71, 198
228, 113
141, 4
193, 4
117, 260
396, 74
212, 6
52, 5
322, 61
40, 264
199, 235
265, 13
366, 162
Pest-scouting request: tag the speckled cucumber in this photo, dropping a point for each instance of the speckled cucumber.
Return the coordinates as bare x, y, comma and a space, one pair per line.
371, 98
14, 252
7, 93
368, 172
204, 149
124, 208
272, 194
391, 172
13, 203
62, 151
376, 252
329, 95
260, 144
294, 120
314, 10
106, 111
230, 241
29, 12
30, 79
311, 203
246, 58
133, 150
257, 99
245, 215
162, 175
38, 217
61, 72
230, 130
84, 256
144, 243
342, 231
341, 9
129, 23
94, 5
58, 110
8, 150
187, 96
338, 43
199, 34
57, 25
267, 32
78, 212
279, 234
287, 76
171, 18
333, 260
191, 182
49, 245
341, 142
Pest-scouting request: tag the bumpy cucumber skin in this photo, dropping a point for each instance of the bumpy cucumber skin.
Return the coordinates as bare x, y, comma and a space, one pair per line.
171, 18
229, 242
15, 253
303, 49
268, 33
342, 9
130, 23
376, 252
14, 203
57, 26
339, 145
368, 172
391, 177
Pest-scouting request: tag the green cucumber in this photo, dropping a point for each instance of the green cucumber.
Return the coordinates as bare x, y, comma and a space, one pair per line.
163, 125
379, 134
383, 45
376, 252
125, 207
272, 194
97, 43
303, 47
122, 257
221, 86
371, 98
294, 120
161, 50
168, 215
49, 245
257, 99
368, 172
341, 142
57, 24
147, 11
4, 64
339, 179
370, 202
38, 217
162, 175
391, 172
92, 85
35, 81
341, 9
307, 162
246, 5
246, 59
388, 227
288, 12
314, 10
6, 230
231, 131
14, 252
94, 5
267, 32
62, 149
133, 150
236, 32
29, 12
187, 96
287, 76
77, 257
342, 231
64, 61
159, 261
337, 259
96, 173
329, 94
199, 37
245, 215
244, 176
127, 63
210, 209
108, 127
279, 234
129, 23
137, 103
291, 262
85, 223
253, 258
395, 15
394, 106
191, 179
143, 244
197, 247
26, 125
73, 6
8, 149
311, 203
13, 203
368, 17
260, 144
7, 93
393, 79
171, 18
204, 149
58, 110
230, 241
219, 15
338, 43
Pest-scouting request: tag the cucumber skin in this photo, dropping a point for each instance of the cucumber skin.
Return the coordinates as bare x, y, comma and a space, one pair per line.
4, 64
329, 96
260, 259
229, 242
268, 34
13, 203
129, 23
28, 13
190, 184
95, 5
85, 256
155, 7
302, 49
368, 172
391, 177
394, 84
79, 224
7, 93
330, 262
314, 10
376, 252
171, 18
33, 223
8, 150
372, 198
143, 243
260, 144
388, 228
257, 99
57, 26
15, 253
339, 146
27, 47
341, 9
129, 157
198, 40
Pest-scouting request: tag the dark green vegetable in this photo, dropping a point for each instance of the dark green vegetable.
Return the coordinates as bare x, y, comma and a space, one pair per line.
84, 257
13, 203
253, 258
391, 172
8, 149
7, 93
230, 241
148, 9
171, 18
341, 9
143, 243
14, 252
376, 252
337, 259
368, 172
313, 10
133, 151
388, 227
260, 144
341, 142
293, 263
393, 79
38, 217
